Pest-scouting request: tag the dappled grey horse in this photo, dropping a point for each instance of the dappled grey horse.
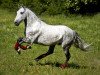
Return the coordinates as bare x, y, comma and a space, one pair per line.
38, 32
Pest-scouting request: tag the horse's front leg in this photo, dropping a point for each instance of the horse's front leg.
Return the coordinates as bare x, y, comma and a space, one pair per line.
19, 45
28, 41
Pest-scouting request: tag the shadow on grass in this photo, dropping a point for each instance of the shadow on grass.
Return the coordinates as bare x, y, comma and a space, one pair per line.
57, 64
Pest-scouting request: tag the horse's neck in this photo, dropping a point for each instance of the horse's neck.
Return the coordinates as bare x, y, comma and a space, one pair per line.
31, 18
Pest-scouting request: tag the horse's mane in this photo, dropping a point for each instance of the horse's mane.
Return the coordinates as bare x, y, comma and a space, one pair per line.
33, 14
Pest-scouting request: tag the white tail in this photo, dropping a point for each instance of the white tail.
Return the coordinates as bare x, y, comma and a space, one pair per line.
79, 43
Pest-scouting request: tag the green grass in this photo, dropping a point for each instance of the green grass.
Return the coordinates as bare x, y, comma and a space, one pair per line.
81, 63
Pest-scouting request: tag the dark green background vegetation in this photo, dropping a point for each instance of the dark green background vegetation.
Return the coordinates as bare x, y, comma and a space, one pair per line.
54, 7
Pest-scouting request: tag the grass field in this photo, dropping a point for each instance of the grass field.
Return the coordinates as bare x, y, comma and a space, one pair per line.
81, 63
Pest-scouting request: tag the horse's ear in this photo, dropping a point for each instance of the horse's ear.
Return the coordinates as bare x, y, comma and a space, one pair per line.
21, 6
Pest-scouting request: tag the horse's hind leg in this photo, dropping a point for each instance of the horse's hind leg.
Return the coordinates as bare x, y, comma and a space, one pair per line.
50, 51
67, 54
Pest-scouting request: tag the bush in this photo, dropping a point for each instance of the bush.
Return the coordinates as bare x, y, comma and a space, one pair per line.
54, 7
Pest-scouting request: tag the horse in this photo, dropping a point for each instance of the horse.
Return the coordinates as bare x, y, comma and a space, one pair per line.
38, 32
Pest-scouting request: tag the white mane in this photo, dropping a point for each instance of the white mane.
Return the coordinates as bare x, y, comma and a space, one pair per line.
32, 14
32, 18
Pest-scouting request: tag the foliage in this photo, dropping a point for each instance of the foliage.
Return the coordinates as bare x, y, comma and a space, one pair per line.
53, 7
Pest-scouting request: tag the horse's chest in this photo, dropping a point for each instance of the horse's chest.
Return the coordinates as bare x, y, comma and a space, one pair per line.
30, 31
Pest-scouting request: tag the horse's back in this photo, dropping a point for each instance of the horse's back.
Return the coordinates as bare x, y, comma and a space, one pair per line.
54, 34
59, 29
56, 28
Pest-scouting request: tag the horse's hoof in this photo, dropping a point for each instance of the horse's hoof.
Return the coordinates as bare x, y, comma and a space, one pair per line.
29, 47
19, 51
63, 66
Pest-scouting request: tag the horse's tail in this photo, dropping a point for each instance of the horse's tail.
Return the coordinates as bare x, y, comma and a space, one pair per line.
79, 43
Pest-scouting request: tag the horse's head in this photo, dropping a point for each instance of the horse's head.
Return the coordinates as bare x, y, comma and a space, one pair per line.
21, 15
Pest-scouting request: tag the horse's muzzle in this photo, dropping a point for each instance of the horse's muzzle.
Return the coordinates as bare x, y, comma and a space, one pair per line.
16, 23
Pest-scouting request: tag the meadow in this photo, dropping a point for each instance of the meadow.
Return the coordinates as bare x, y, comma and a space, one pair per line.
81, 63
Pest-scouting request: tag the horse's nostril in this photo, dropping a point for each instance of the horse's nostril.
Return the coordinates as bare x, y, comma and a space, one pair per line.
16, 23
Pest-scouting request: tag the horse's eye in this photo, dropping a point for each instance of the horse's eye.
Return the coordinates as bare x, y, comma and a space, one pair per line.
21, 12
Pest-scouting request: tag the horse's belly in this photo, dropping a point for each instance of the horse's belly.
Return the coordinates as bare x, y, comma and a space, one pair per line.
49, 39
